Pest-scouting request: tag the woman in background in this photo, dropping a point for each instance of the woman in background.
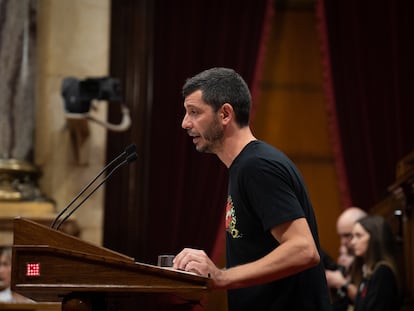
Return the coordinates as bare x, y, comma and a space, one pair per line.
374, 245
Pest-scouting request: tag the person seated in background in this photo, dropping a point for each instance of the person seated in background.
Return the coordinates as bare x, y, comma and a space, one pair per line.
6, 294
374, 246
345, 259
338, 275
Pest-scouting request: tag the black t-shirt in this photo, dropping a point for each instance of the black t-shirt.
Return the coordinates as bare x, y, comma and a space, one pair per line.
379, 292
266, 190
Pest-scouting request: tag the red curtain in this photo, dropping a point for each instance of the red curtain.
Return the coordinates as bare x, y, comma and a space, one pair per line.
367, 51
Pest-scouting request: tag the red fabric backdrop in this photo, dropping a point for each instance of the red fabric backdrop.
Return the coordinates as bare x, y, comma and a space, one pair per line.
367, 51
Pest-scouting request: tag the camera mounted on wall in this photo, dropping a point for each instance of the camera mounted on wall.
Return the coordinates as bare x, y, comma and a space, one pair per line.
80, 95
81, 100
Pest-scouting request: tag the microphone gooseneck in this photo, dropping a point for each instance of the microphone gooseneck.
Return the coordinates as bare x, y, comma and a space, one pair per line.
128, 153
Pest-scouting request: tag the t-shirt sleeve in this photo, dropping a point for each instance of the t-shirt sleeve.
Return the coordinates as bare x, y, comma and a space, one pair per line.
271, 193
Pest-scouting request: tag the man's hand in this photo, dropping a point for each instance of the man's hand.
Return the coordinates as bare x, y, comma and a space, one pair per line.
197, 261
335, 279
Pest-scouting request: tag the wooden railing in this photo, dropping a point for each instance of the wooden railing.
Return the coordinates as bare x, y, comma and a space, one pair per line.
397, 208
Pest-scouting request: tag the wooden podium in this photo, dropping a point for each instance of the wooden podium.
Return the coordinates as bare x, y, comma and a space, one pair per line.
51, 266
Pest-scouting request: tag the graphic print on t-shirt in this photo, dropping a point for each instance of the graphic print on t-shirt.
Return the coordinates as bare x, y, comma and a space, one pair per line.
231, 220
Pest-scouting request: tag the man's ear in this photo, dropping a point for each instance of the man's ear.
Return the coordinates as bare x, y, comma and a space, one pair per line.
227, 112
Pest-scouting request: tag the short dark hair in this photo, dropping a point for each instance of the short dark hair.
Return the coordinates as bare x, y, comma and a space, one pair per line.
219, 86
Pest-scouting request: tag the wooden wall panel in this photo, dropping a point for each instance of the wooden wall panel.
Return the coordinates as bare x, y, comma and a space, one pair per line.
296, 120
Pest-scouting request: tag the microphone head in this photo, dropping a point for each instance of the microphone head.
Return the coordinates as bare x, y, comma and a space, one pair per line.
131, 157
130, 149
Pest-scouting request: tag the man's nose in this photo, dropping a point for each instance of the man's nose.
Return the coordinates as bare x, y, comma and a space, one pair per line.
185, 124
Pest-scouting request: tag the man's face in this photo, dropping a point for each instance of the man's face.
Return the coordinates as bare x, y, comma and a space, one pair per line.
345, 237
202, 123
5, 272
344, 229
344, 258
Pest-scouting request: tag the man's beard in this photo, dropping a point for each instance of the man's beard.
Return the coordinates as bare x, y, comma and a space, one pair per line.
212, 137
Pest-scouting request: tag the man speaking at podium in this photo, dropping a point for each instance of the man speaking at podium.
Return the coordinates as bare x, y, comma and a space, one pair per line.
272, 242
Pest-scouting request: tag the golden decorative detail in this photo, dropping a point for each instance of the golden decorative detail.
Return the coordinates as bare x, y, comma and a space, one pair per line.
18, 180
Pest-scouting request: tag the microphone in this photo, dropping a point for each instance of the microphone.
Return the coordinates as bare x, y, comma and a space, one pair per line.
129, 150
130, 158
